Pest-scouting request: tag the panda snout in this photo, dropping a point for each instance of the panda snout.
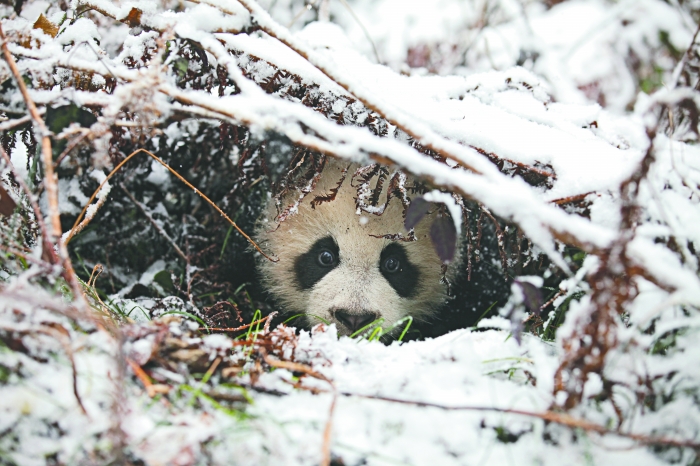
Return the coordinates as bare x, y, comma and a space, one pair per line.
355, 320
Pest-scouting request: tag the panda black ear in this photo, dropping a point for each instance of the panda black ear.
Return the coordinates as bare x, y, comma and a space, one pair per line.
309, 269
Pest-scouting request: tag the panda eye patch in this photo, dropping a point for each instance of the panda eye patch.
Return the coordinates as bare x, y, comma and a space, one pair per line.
310, 267
401, 274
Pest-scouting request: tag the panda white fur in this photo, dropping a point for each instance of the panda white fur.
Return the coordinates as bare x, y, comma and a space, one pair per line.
334, 264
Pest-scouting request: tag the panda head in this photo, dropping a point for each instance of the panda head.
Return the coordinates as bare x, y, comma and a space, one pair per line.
339, 266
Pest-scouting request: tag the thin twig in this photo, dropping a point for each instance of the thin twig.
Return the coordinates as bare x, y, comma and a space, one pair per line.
179, 177
25, 256
364, 29
61, 338
160, 229
51, 181
8, 125
151, 388
73, 144
212, 368
303, 368
242, 327
558, 293
50, 178
549, 416
570, 199
681, 64
48, 252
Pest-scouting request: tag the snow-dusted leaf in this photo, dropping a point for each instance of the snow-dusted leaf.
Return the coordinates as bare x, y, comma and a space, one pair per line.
416, 211
444, 238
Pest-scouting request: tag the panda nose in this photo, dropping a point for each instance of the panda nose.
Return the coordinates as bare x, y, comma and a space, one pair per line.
355, 321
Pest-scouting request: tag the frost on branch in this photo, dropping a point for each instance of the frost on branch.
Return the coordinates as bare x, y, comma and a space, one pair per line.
558, 141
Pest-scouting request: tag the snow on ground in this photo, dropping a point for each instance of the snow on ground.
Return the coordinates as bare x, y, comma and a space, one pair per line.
464, 369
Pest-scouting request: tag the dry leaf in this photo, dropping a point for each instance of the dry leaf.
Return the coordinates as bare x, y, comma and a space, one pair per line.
45, 25
7, 204
133, 19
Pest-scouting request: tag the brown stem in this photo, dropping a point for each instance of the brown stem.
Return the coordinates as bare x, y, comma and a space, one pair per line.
50, 178
328, 429
549, 416
48, 252
64, 340
570, 199
179, 177
73, 144
158, 228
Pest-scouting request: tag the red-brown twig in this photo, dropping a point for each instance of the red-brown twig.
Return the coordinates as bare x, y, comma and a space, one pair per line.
242, 327
8, 125
179, 177
50, 178
158, 228
48, 252
72, 145
151, 388
64, 340
549, 416
569, 199
328, 429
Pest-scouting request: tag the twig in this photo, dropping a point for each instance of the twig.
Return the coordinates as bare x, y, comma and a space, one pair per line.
25, 256
73, 144
212, 369
160, 229
242, 327
48, 252
61, 338
328, 429
558, 293
179, 177
50, 178
100, 202
8, 125
151, 388
681, 64
364, 29
328, 432
550, 416
570, 199
523, 166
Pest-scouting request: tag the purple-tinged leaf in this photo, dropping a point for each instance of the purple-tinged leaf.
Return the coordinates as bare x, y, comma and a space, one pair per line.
444, 238
532, 296
416, 211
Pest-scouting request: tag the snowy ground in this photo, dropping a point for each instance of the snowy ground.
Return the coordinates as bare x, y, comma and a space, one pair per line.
459, 373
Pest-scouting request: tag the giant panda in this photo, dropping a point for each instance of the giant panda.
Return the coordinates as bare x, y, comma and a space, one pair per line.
346, 260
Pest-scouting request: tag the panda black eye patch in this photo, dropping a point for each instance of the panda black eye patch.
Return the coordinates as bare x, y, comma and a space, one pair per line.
398, 271
314, 264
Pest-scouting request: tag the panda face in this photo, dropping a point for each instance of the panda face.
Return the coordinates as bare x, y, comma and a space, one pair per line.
324, 256
337, 266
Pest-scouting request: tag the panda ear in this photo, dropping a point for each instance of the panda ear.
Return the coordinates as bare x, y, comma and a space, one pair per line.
308, 270
443, 235
416, 211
